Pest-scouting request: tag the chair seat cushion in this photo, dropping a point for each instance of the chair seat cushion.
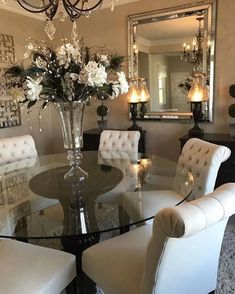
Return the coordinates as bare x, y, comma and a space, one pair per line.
27, 268
152, 202
127, 249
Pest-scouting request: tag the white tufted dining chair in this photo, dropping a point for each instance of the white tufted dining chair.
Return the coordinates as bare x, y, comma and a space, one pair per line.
17, 148
199, 157
178, 254
27, 269
123, 141
16, 155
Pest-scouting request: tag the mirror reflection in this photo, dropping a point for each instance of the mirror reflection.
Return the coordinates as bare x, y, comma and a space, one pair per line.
167, 48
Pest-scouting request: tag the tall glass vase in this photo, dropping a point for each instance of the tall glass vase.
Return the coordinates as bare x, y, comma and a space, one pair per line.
71, 119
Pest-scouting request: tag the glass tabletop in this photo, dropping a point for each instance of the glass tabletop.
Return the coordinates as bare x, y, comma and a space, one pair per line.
37, 202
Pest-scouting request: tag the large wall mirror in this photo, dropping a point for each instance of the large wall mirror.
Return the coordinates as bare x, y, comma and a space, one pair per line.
165, 51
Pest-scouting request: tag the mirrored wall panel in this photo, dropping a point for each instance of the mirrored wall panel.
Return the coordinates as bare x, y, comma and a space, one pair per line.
166, 49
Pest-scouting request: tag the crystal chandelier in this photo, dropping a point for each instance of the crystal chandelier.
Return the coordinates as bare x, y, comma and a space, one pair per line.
61, 9
73, 8
195, 56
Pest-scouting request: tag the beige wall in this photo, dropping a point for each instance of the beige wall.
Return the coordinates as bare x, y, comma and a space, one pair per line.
110, 29
20, 28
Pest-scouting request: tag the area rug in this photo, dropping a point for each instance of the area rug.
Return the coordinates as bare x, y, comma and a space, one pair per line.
226, 273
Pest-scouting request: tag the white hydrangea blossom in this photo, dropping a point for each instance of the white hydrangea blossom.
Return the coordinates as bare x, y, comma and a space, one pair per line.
33, 88
74, 76
116, 91
96, 74
17, 94
104, 59
124, 87
66, 53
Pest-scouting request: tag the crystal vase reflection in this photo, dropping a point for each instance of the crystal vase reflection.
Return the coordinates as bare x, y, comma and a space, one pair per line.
79, 220
71, 119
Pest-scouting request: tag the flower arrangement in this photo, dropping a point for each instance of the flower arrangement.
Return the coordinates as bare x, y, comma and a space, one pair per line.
69, 73
187, 84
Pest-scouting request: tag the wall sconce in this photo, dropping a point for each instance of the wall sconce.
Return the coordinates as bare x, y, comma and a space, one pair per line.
197, 94
138, 93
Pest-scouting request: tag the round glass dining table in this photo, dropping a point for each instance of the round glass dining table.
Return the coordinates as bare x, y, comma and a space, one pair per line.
37, 202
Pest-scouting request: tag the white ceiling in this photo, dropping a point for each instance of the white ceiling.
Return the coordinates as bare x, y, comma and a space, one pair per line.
170, 29
13, 6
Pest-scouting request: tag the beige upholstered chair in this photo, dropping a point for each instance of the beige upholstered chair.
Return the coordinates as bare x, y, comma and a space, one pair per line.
17, 148
123, 141
27, 269
16, 155
199, 157
178, 254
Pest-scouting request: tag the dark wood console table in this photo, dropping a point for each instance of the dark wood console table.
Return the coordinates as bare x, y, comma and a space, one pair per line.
226, 172
91, 139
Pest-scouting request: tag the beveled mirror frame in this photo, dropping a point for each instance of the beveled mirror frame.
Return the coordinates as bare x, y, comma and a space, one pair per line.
209, 6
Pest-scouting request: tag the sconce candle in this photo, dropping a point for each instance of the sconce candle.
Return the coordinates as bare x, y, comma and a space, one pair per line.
197, 94
133, 99
138, 93
144, 97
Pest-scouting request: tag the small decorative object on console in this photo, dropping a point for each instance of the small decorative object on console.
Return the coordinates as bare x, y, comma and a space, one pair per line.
102, 110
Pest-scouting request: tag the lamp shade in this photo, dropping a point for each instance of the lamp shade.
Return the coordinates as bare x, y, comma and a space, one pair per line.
133, 94
138, 91
144, 93
198, 91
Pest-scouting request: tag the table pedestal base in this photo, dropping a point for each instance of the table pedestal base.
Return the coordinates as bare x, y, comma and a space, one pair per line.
76, 245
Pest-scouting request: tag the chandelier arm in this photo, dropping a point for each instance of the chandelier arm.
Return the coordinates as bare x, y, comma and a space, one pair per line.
70, 11
74, 9
80, 10
32, 8
52, 9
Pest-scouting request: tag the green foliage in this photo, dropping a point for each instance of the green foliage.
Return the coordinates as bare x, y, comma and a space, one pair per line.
31, 103
186, 85
15, 70
102, 110
116, 61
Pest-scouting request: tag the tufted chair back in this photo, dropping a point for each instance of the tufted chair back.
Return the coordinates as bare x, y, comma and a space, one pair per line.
124, 141
203, 160
183, 252
16, 148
